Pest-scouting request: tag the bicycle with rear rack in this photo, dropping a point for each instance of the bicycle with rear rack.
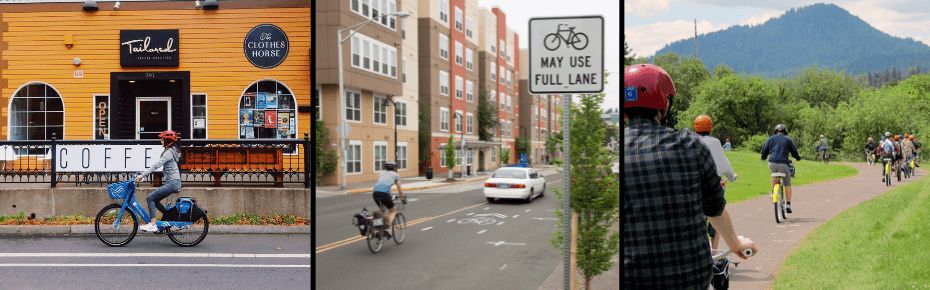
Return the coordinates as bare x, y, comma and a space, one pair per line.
184, 221
371, 225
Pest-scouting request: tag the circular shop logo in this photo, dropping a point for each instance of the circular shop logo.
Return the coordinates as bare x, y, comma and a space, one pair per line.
266, 46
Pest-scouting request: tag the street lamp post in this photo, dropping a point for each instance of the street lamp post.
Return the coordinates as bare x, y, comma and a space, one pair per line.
464, 160
342, 93
395, 124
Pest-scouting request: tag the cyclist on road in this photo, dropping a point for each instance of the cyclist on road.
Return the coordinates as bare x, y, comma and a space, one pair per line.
382, 191
779, 146
869, 148
907, 148
703, 125
169, 159
670, 185
916, 151
821, 147
887, 150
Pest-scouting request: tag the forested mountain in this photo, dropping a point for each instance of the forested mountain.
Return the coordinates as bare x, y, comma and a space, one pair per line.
822, 34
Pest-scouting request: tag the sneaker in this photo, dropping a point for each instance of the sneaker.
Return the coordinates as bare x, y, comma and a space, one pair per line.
149, 228
788, 208
387, 235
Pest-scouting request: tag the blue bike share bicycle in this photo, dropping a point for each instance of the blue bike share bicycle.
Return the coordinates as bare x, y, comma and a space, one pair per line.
184, 222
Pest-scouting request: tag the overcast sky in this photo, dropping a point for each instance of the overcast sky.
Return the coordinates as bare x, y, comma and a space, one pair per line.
519, 13
651, 24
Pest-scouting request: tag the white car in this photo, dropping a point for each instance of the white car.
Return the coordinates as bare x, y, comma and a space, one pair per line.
515, 183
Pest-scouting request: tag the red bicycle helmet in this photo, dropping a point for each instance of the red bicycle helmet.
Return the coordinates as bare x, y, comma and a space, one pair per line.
647, 86
169, 135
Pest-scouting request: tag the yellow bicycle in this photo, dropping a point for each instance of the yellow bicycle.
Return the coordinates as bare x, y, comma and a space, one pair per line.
778, 197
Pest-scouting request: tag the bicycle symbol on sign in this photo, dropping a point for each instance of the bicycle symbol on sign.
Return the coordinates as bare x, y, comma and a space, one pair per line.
577, 40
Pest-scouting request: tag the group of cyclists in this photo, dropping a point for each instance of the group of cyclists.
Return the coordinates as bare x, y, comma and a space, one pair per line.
900, 149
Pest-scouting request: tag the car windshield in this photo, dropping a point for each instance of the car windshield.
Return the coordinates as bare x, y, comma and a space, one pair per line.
517, 174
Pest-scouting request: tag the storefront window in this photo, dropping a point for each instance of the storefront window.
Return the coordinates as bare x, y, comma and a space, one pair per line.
267, 110
199, 116
36, 112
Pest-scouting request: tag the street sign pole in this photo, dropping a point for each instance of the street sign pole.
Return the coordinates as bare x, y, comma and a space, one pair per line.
566, 198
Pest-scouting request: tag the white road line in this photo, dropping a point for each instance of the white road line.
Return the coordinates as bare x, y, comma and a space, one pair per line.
482, 231
500, 223
487, 208
528, 210
426, 229
155, 265
198, 255
449, 221
505, 266
542, 219
469, 214
515, 216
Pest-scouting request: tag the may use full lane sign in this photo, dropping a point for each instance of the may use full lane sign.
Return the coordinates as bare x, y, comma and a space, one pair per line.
566, 55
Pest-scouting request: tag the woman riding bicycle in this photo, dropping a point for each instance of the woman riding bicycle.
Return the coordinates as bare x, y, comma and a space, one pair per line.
869, 149
382, 191
169, 160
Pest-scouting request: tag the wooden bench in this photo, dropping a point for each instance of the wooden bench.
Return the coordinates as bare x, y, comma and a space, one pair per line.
218, 160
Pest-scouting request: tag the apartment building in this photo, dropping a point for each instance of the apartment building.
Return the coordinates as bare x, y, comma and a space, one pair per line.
374, 71
535, 117
449, 82
497, 62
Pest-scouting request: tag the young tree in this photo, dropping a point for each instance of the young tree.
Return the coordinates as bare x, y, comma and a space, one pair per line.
504, 156
628, 55
425, 136
554, 144
597, 201
325, 159
487, 122
523, 146
450, 156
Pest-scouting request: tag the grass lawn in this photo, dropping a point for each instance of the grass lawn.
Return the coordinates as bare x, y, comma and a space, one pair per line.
880, 244
755, 177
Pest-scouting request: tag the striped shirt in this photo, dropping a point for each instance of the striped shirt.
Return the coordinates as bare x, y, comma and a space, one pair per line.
670, 186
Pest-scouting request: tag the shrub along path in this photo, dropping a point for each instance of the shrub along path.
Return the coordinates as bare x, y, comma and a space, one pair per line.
812, 204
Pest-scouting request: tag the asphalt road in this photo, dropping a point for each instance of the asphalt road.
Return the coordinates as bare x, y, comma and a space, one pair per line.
83, 262
439, 252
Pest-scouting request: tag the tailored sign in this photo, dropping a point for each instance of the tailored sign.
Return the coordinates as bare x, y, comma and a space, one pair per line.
566, 55
266, 46
88, 158
149, 48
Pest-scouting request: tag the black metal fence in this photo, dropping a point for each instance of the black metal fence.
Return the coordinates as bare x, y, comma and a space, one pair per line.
260, 162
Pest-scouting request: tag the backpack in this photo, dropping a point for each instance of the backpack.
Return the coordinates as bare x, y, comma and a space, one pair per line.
360, 220
887, 148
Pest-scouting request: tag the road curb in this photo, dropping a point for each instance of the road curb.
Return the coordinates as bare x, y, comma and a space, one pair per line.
215, 229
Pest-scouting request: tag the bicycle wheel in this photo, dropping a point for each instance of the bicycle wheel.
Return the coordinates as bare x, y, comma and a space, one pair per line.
777, 203
375, 240
119, 236
580, 41
783, 201
190, 235
898, 170
552, 41
887, 174
399, 228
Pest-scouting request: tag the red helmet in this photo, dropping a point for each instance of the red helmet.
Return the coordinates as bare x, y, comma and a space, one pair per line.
703, 123
169, 135
647, 86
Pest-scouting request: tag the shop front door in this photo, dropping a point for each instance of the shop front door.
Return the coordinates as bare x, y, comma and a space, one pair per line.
153, 116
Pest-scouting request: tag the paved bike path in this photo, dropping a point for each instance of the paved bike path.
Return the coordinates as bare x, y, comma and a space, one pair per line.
813, 204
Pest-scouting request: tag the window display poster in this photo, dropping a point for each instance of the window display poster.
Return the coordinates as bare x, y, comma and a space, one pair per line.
245, 118
283, 121
247, 99
270, 119
200, 123
250, 133
242, 131
258, 118
293, 130
271, 102
260, 101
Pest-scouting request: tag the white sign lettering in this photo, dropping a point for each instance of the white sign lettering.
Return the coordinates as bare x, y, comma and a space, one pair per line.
123, 158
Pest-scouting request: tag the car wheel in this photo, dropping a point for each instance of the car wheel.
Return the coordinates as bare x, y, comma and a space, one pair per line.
543, 192
490, 199
529, 197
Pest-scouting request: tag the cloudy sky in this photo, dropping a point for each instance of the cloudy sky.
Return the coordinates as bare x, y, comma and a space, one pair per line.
519, 13
651, 24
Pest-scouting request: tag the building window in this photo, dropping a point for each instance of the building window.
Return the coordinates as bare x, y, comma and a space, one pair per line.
444, 119
380, 111
458, 19
470, 126
401, 156
502, 129
509, 52
353, 160
443, 83
380, 155
503, 99
468, 25
509, 104
403, 69
442, 158
355, 6
353, 106
503, 72
366, 54
365, 8
493, 43
384, 63
36, 112
458, 53
509, 129
471, 157
384, 58
493, 69
400, 113
502, 48
459, 87
403, 29
493, 96
391, 9
394, 65
376, 60
443, 46
375, 7
458, 121
469, 56
509, 75
378, 8
469, 91
355, 51
493, 154
319, 104
458, 157
444, 11
267, 109
198, 116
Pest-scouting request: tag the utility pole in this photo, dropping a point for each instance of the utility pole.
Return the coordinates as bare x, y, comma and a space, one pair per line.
695, 38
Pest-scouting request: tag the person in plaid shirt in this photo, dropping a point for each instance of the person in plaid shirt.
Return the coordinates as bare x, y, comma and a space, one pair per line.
670, 188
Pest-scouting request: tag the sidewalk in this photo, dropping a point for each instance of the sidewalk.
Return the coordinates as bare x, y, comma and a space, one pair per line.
418, 182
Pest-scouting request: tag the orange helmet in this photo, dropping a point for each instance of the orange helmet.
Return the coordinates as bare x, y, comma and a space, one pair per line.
703, 124
169, 135
911, 137
897, 137
906, 136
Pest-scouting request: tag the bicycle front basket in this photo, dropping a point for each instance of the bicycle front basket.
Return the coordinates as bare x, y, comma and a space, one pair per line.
119, 190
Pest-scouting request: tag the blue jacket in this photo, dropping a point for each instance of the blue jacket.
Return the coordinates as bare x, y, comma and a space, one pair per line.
779, 146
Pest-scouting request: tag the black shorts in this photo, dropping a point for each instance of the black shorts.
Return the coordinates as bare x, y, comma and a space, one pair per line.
383, 198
